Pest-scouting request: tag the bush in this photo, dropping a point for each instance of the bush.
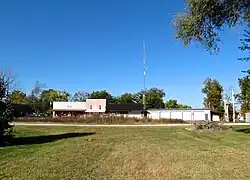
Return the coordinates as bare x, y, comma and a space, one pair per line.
5, 113
99, 120
209, 126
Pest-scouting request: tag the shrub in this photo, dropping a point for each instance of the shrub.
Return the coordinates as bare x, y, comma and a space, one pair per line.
5, 113
209, 126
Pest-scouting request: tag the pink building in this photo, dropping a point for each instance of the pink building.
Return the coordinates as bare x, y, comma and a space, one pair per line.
96, 105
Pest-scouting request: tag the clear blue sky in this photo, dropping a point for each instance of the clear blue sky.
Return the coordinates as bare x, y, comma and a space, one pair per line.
93, 45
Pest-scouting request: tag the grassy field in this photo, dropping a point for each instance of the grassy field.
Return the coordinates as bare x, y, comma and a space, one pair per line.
125, 153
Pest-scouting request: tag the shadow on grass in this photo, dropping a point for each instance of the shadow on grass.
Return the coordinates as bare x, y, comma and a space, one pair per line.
244, 130
43, 139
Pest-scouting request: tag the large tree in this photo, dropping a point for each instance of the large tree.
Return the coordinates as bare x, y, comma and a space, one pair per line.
213, 91
153, 98
202, 20
80, 96
245, 45
125, 98
5, 108
244, 95
173, 104
103, 94
50, 95
34, 98
18, 97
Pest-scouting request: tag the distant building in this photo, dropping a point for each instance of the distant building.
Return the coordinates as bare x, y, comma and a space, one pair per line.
184, 114
100, 106
21, 110
126, 110
68, 108
79, 108
96, 106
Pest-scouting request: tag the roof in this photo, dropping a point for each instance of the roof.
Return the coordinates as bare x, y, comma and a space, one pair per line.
182, 109
124, 107
22, 107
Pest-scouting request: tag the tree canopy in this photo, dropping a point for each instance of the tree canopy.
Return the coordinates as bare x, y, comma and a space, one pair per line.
202, 20
244, 95
173, 104
154, 98
103, 94
80, 96
213, 94
18, 97
125, 98
5, 109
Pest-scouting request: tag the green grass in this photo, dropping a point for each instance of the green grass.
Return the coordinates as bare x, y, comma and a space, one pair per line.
125, 153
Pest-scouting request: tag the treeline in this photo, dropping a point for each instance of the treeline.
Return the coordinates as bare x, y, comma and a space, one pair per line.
40, 98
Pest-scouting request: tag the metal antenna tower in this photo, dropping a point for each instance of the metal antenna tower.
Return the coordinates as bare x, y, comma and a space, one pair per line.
144, 75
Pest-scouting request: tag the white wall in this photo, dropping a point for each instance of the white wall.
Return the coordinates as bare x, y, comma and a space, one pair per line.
68, 106
154, 114
135, 114
216, 118
187, 115
199, 115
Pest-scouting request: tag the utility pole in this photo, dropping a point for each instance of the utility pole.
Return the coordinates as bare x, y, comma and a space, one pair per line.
144, 76
233, 102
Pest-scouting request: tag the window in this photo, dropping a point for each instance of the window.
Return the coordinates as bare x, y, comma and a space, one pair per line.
100, 107
90, 106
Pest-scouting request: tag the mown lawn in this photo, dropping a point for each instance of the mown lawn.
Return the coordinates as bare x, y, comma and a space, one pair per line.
125, 153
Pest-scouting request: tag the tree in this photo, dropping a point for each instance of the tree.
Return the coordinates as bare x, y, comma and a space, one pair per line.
203, 20
80, 96
9, 80
34, 98
103, 94
18, 97
183, 106
213, 91
245, 45
5, 108
50, 95
153, 98
244, 95
172, 104
125, 98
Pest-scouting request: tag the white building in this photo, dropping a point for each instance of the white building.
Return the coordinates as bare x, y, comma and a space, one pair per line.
184, 114
79, 108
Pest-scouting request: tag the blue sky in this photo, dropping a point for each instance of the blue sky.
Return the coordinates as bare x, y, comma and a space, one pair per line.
93, 45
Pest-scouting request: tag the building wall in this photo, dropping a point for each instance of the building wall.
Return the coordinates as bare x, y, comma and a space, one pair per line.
96, 105
135, 114
79, 106
216, 118
189, 114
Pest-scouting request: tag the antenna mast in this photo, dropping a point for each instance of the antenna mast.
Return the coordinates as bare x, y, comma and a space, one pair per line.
233, 101
144, 75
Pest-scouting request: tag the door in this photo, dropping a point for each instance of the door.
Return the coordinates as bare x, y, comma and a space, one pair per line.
206, 117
